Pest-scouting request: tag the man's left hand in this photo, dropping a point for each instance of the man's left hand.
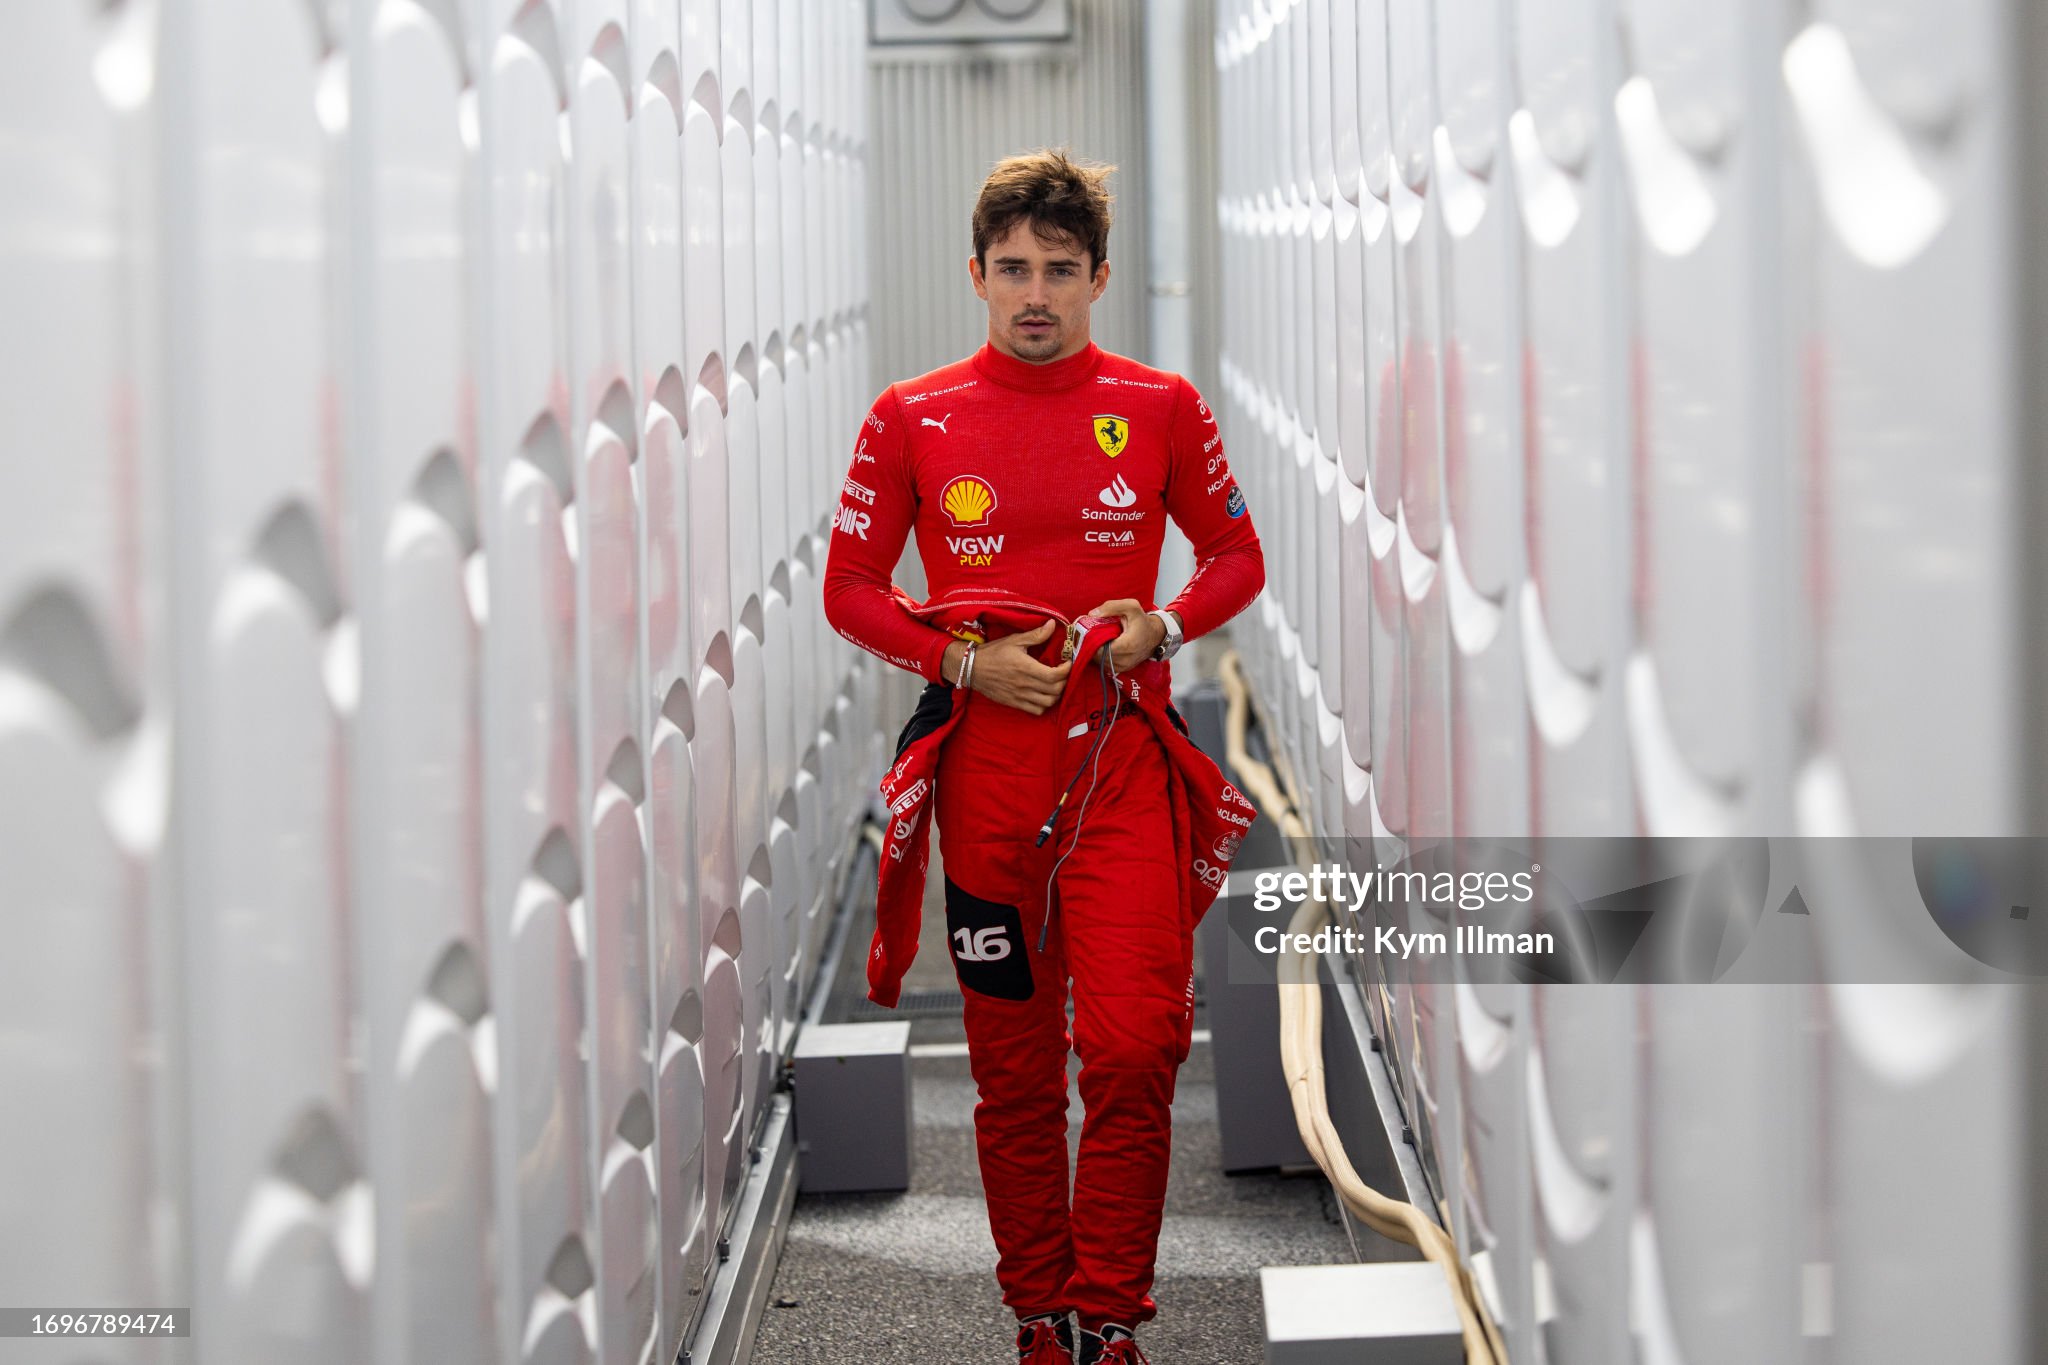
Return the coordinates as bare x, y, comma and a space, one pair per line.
1141, 635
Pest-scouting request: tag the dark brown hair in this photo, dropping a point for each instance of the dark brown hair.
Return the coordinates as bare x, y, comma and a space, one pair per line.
1058, 196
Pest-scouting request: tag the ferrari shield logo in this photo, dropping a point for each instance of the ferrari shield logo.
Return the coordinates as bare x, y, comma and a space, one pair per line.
1111, 433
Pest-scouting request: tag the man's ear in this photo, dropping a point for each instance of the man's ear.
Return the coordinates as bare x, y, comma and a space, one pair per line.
974, 274
1101, 280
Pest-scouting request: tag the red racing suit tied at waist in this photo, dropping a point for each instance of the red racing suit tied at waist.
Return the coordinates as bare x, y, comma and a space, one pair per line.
1210, 816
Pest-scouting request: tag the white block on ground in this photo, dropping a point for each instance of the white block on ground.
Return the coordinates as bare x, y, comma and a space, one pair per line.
1398, 1313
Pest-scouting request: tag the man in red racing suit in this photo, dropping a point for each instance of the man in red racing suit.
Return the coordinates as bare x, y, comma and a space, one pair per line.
1038, 476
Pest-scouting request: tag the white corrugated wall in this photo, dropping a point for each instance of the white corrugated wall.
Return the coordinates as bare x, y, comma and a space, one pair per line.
938, 118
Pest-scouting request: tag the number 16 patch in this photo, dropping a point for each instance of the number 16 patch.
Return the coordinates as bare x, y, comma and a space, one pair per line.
986, 939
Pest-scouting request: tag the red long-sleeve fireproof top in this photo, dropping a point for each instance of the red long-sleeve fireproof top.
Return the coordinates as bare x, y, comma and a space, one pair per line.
1050, 482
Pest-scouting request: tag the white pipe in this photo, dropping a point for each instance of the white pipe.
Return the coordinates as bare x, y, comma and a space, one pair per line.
1301, 1056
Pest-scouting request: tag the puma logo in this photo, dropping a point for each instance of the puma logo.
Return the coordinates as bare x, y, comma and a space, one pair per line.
940, 423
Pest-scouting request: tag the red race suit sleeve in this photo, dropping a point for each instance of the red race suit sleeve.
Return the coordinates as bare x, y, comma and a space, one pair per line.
1206, 503
877, 508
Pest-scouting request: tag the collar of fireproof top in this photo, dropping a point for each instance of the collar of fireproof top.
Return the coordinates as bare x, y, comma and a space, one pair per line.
1013, 373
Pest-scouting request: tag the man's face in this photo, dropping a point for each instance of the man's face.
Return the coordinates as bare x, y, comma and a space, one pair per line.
1037, 295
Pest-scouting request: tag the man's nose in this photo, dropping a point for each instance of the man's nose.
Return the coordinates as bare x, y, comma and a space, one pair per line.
1037, 291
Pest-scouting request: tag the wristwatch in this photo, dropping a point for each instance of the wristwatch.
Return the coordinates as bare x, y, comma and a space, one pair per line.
1170, 646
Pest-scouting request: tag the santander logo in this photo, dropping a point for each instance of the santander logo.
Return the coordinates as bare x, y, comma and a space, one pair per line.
1118, 494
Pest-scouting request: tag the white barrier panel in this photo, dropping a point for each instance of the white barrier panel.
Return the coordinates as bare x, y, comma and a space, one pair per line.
679, 1006
736, 160
371, 611
268, 670
83, 761
534, 875
424, 956
718, 913
1661, 354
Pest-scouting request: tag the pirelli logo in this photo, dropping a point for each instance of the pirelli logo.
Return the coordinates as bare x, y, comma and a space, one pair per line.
859, 492
911, 795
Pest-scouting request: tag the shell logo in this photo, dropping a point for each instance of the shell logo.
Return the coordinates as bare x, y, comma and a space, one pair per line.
968, 500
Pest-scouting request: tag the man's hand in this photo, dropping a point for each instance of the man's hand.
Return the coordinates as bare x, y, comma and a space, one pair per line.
1005, 672
1142, 633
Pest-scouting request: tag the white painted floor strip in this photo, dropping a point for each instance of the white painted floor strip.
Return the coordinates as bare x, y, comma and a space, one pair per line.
1201, 1036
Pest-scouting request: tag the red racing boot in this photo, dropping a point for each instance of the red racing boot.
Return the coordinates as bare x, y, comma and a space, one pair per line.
1045, 1339
1114, 1346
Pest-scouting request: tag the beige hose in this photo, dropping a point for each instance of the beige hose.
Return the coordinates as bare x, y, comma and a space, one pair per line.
1301, 1054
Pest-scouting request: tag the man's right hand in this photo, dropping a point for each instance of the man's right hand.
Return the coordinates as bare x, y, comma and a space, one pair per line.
1005, 672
